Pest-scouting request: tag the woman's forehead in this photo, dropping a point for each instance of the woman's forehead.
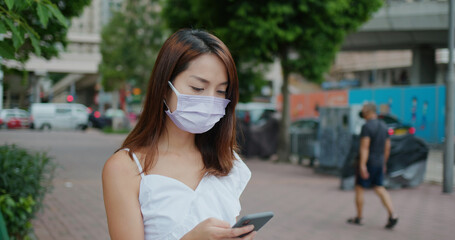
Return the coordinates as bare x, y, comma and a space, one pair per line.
207, 68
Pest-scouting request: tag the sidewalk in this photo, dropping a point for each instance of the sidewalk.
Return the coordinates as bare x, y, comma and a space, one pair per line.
311, 206
307, 205
435, 166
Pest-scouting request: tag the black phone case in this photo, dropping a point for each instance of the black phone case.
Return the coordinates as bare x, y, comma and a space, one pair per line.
256, 219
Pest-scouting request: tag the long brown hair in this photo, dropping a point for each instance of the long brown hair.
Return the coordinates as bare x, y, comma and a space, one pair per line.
216, 145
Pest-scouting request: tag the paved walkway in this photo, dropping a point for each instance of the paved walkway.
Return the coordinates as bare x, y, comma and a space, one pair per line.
306, 205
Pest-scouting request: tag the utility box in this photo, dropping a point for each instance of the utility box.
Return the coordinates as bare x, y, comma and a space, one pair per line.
337, 125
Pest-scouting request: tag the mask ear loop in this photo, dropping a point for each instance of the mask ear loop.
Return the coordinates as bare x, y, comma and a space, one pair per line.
164, 101
173, 88
176, 93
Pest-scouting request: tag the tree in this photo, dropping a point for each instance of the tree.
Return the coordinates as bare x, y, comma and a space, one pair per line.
304, 35
214, 16
130, 43
35, 26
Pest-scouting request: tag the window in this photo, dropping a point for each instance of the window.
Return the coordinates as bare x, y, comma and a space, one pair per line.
22, 115
63, 110
80, 110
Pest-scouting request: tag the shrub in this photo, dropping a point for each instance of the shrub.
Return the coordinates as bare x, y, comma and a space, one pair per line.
110, 130
25, 178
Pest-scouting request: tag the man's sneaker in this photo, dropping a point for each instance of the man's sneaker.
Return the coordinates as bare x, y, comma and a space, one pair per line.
391, 223
355, 221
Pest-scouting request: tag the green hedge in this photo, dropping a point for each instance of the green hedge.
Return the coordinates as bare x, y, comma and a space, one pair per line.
25, 178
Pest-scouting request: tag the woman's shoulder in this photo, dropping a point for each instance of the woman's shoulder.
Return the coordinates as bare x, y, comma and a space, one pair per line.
239, 176
240, 167
120, 165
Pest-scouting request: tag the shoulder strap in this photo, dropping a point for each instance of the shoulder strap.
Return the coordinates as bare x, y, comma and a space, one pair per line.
137, 161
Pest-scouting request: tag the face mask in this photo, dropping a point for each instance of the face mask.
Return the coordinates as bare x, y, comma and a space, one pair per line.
196, 114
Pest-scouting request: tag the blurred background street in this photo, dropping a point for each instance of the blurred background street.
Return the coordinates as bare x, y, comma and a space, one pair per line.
74, 74
307, 205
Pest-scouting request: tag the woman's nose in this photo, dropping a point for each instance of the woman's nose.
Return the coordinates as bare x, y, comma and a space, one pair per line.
212, 93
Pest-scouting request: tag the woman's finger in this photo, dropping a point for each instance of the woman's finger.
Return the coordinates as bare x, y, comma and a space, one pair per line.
247, 237
233, 233
250, 236
217, 223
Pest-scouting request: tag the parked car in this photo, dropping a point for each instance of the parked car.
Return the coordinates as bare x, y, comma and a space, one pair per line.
257, 129
396, 127
254, 113
308, 124
59, 116
98, 120
14, 118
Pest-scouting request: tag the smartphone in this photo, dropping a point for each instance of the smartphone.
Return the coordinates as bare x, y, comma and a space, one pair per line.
256, 219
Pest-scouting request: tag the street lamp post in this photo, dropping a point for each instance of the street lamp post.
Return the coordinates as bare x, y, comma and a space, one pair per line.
450, 123
1, 86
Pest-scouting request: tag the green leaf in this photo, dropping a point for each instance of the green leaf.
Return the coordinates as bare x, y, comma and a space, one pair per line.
56, 12
20, 5
11, 26
10, 4
16, 42
35, 44
18, 39
6, 50
2, 28
43, 14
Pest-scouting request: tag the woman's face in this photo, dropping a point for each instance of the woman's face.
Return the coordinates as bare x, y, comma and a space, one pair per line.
206, 75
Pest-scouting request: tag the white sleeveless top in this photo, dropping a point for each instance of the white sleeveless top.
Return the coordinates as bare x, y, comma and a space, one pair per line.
170, 208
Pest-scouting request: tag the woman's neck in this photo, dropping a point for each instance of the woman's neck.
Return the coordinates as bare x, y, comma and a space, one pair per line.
175, 139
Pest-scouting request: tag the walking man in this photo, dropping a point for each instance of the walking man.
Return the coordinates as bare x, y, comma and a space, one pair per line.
374, 153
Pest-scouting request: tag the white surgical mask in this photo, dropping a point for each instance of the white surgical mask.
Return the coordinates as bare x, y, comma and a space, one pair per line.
196, 114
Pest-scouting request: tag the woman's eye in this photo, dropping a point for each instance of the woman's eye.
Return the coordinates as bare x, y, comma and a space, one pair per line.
197, 89
222, 92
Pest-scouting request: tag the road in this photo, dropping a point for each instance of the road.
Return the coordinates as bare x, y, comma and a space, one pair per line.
306, 205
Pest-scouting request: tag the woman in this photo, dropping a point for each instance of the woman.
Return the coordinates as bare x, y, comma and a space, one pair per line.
176, 175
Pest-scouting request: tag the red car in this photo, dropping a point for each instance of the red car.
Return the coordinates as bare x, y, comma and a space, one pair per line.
14, 118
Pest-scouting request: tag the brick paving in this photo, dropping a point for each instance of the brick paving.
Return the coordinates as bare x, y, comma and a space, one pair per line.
306, 205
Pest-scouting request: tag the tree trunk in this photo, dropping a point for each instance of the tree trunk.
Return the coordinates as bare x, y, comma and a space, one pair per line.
22, 99
284, 139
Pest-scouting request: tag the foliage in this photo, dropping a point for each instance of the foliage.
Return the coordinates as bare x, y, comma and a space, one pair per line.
304, 35
35, 26
25, 178
214, 16
3, 230
126, 58
110, 130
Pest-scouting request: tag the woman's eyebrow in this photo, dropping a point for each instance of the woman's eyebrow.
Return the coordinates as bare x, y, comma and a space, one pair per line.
200, 79
205, 80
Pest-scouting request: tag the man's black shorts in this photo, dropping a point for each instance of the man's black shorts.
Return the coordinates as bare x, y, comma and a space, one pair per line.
376, 177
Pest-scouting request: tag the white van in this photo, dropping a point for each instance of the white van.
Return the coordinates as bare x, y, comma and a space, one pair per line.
59, 116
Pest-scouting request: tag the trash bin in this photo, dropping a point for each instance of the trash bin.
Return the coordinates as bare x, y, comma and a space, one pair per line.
304, 144
334, 138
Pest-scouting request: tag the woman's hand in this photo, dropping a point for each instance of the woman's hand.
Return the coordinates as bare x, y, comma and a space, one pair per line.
215, 229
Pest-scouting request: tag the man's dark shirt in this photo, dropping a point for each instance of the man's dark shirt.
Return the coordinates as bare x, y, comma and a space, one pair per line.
376, 130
